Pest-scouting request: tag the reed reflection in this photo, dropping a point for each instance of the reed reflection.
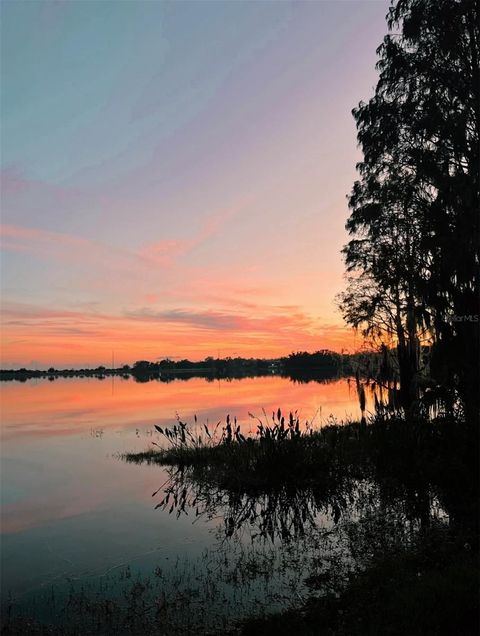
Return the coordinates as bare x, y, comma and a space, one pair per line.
287, 481
289, 514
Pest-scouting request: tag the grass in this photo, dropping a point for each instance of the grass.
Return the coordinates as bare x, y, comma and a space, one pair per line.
279, 454
411, 454
429, 588
422, 583
410, 463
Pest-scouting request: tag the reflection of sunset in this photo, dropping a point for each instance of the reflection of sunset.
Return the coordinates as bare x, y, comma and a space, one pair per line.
66, 407
70, 488
56, 467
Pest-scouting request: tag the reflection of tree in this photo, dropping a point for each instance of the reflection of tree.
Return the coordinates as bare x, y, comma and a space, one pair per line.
281, 483
290, 513
410, 485
285, 513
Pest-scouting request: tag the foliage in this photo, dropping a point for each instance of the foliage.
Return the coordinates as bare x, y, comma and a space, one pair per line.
414, 254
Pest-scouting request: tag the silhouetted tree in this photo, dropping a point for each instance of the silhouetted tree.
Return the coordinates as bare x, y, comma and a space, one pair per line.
414, 255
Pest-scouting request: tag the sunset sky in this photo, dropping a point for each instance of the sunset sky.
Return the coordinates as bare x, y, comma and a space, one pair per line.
174, 176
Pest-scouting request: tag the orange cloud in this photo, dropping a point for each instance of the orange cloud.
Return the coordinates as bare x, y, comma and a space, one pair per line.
67, 337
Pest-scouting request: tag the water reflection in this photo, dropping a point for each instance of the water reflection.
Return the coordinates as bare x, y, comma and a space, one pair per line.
83, 523
284, 513
291, 513
72, 406
61, 481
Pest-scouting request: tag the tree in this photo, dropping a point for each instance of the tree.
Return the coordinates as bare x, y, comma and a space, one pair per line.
414, 256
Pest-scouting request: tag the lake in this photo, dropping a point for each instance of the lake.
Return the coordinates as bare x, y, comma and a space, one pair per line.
76, 517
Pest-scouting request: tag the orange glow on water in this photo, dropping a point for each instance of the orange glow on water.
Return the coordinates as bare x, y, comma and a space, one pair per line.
61, 440
73, 406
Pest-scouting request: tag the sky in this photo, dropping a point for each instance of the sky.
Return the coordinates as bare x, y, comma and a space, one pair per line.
174, 176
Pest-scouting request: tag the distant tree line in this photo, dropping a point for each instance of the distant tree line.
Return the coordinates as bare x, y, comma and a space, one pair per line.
210, 367
413, 259
301, 366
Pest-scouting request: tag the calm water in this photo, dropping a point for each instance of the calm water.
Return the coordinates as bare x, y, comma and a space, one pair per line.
74, 513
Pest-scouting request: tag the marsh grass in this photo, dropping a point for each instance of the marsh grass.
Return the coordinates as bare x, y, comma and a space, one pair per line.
279, 481
413, 548
426, 587
283, 454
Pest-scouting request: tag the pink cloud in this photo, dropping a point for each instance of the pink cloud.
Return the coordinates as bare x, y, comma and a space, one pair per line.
18, 189
11, 181
165, 252
16, 236
69, 248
